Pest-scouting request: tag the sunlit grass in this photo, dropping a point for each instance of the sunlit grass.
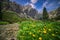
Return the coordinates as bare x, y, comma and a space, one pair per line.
38, 30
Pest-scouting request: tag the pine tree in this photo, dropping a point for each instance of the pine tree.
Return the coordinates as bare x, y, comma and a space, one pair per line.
45, 14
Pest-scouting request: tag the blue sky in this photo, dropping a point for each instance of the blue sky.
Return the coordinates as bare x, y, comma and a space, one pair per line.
40, 4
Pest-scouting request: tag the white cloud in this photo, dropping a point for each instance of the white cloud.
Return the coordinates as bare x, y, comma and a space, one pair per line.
27, 3
34, 1
50, 5
58, 2
32, 5
45, 4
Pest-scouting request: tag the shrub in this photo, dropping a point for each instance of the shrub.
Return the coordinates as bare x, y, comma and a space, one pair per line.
3, 23
10, 16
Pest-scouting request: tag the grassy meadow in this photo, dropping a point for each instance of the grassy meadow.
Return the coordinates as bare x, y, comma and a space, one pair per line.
39, 30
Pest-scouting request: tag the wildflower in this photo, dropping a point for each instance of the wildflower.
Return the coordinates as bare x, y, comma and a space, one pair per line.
44, 31
53, 34
40, 38
30, 33
33, 35
49, 29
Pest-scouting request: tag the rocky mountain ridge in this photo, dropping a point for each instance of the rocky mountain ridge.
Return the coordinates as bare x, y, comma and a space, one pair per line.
22, 11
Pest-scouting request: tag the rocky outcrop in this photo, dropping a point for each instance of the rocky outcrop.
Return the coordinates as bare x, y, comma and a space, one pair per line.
55, 14
22, 11
30, 11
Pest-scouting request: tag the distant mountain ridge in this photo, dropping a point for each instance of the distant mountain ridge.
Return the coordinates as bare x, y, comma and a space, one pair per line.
23, 11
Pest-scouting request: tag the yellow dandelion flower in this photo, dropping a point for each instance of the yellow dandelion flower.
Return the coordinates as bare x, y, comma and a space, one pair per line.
33, 35
49, 29
44, 31
40, 38
53, 34
30, 33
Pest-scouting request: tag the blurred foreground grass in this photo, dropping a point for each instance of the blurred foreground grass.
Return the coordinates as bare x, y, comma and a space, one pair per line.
39, 30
